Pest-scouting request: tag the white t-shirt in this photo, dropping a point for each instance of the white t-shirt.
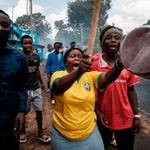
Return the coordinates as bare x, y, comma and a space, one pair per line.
46, 55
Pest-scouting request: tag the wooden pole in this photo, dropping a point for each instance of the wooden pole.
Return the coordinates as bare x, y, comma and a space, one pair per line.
93, 28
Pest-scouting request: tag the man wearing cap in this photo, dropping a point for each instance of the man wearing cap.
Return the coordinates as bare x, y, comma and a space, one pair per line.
116, 106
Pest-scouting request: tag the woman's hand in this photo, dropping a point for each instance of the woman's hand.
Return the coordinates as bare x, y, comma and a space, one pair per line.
85, 63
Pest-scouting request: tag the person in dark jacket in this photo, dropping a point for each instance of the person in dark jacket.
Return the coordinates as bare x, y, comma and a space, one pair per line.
13, 95
72, 44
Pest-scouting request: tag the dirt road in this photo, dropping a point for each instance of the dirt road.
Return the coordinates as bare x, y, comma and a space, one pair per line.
33, 143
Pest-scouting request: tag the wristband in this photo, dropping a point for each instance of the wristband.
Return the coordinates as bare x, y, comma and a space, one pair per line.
137, 116
118, 65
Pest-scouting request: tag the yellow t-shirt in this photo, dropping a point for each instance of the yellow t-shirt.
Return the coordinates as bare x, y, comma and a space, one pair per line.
74, 115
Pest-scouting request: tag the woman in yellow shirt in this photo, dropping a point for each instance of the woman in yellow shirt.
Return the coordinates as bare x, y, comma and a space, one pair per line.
74, 119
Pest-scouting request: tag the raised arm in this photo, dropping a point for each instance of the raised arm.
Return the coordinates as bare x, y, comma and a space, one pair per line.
111, 75
64, 83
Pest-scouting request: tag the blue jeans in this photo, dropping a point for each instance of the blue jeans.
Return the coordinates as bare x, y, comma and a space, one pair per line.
93, 141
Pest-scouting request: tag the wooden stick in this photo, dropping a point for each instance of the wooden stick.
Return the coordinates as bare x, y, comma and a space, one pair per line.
93, 28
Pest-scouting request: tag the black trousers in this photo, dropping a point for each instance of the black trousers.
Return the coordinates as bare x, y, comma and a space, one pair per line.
124, 138
9, 143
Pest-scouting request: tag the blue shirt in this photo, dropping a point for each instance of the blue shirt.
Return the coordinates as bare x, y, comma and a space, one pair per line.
55, 63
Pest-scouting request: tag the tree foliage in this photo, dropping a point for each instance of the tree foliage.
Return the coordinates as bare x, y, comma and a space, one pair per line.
65, 32
36, 23
80, 12
148, 22
80, 15
60, 25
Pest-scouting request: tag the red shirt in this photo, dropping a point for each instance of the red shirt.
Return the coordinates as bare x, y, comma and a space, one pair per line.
113, 101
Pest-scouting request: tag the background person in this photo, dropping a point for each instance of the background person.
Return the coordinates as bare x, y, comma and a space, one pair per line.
62, 48
33, 87
49, 50
72, 44
54, 63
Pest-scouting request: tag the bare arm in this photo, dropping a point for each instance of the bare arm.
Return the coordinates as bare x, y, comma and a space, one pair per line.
132, 95
40, 79
111, 75
65, 82
134, 105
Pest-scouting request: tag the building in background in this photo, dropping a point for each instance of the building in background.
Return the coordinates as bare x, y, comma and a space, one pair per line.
16, 35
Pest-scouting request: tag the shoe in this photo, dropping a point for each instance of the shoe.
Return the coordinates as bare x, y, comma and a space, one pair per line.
113, 142
53, 102
44, 139
23, 138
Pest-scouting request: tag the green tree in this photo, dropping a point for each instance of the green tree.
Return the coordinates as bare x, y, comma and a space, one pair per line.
80, 15
39, 24
80, 12
148, 22
65, 34
60, 25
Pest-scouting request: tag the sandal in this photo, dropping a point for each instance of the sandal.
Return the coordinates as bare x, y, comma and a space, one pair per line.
44, 139
23, 138
113, 142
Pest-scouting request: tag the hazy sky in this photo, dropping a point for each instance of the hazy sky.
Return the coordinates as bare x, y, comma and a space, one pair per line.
126, 14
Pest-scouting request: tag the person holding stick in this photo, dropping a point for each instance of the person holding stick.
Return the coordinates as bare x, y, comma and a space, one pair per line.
74, 121
116, 107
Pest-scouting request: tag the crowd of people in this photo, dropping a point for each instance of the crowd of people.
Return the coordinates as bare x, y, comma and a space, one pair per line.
94, 96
